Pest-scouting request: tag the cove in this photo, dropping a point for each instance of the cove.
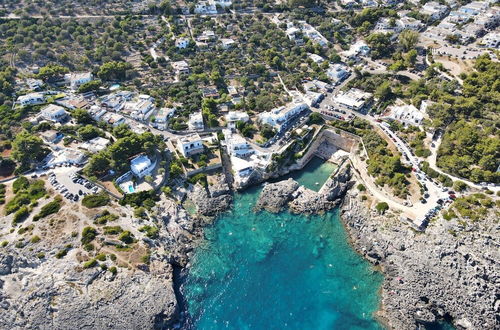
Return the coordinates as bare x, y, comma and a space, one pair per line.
276, 271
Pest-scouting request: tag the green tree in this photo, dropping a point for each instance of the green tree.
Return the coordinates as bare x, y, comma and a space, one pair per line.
89, 132
27, 148
52, 72
408, 39
89, 86
382, 207
81, 116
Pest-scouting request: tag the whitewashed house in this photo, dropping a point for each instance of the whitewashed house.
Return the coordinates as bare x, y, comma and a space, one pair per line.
237, 145
190, 145
141, 166
31, 99
54, 113
77, 79
279, 117
195, 122
235, 116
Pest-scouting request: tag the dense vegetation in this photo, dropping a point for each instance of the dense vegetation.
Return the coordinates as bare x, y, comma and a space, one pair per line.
117, 155
471, 143
385, 166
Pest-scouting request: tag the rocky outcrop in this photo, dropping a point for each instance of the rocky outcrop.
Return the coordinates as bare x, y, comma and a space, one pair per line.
448, 272
211, 200
41, 291
275, 196
307, 201
57, 295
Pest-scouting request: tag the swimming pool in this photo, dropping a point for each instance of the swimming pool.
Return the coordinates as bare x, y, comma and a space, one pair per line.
131, 189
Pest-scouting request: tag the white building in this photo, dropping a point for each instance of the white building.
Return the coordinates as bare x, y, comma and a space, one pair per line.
182, 43
227, 43
180, 68
279, 117
77, 79
34, 84
313, 34
407, 114
313, 98
95, 145
410, 23
491, 40
235, 116
141, 166
237, 145
31, 99
162, 117
354, 99
205, 8
318, 85
359, 48
190, 145
222, 3
54, 113
113, 119
142, 108
434, 10
195, 122
337, 72
316, 58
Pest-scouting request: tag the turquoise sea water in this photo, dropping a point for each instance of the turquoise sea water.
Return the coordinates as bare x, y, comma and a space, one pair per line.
314, 174
280, 271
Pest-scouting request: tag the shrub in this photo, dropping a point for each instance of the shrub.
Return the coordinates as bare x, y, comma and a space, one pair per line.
146, 258
364, 198
112, 256
126, 237
88, 235
21, 214
35, 239
101, 257
113, 270
151, 231
382, 207
61, 253
40, 255
112, 230
89, 264
88, 247
95, 200
361, 187
4, 243
50, 208
20, 184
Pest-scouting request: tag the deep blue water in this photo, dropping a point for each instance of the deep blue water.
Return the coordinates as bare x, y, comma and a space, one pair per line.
280, 271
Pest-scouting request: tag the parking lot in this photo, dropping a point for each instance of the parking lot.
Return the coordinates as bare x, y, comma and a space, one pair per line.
69, 184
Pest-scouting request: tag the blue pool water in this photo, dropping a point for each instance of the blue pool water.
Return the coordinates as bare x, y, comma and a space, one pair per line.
279, 271
131, 189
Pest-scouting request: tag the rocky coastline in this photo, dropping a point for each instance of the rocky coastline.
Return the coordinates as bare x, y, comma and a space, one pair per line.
288, 193
448, 273
58, 293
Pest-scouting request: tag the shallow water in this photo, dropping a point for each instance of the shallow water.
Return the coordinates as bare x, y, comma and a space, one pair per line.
314, 174
276, 271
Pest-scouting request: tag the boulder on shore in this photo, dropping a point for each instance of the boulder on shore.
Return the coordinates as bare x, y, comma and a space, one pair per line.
275, 196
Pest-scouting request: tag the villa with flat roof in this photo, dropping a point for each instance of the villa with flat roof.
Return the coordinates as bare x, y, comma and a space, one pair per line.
190, 145
141, 166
